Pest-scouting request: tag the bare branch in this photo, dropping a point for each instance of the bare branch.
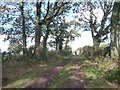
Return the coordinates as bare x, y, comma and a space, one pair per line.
106, 31
55, 14
48, 7
102, 7
31, 17
83, 20
86, 18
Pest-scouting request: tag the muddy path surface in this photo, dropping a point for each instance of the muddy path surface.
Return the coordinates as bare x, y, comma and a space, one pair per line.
77, 77
76, 80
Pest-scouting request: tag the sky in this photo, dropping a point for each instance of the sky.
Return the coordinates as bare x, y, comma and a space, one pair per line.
85, 39
3, 45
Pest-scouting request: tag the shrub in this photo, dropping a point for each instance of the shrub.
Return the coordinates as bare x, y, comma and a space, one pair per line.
16, 67
88, 52
82, 57
113, 75
53, 55
65, 52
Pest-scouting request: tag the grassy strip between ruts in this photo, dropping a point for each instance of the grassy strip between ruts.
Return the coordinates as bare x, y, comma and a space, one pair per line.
31, 75
95, 74
61, 79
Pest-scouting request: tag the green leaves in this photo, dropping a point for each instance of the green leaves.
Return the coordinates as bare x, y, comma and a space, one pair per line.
74, 32
15, 47
113, 74
73, 22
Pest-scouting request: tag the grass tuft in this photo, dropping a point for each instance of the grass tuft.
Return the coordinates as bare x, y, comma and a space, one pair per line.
95, 73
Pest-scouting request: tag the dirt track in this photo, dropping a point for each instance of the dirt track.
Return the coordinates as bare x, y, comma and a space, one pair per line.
76, 78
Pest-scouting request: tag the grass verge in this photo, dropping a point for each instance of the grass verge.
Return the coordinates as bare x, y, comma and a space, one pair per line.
61, 79
32, 74
95, 73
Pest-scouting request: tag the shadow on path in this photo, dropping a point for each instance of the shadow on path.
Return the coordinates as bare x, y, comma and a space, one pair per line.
76, 78
75, 81
44, 80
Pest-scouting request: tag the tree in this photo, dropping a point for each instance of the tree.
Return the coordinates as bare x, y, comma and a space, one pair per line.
51, 11
38, 26
99, 30
62, 33
14, 23
45, 38
21, 30
16, 48
72, 33
13, 32
23, 27
115, 31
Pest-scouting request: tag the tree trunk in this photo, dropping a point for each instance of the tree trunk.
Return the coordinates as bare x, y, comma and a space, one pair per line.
118, 30
117, 41
45, 41
115, 49
60, 45
57, 42
66, 43
38, 27
23, 28
61, 40
46, 37
96, 44
93, 29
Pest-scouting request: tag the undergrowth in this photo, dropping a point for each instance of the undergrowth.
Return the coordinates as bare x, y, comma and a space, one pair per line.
26, 69
100, 73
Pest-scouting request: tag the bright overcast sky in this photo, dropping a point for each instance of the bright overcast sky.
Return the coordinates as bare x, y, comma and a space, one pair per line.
85, 39
3, 45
